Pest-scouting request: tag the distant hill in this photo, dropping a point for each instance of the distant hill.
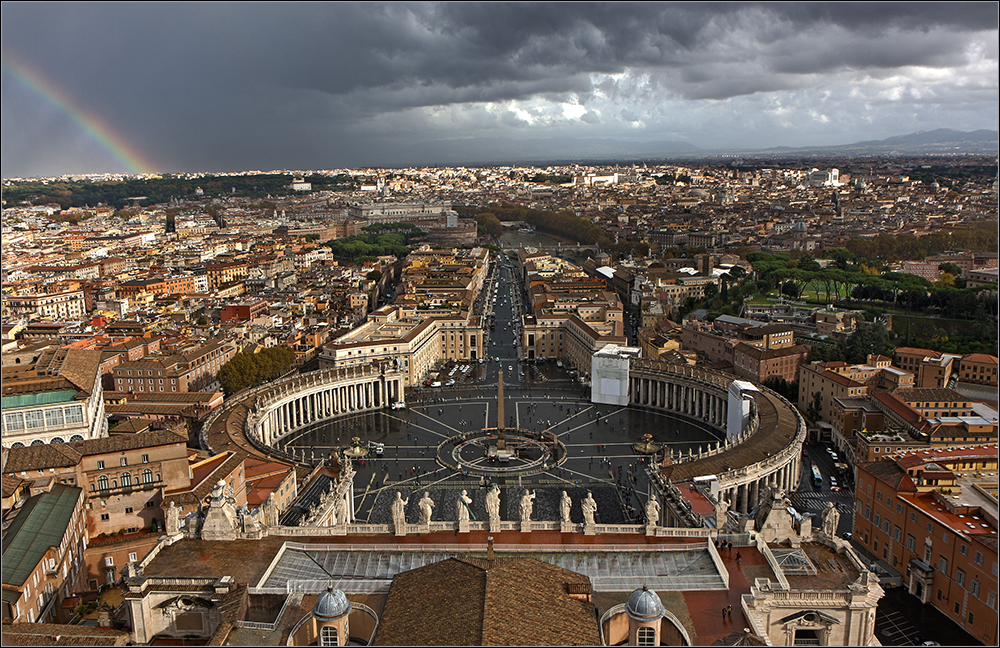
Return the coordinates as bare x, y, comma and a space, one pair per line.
485, 151
941, 140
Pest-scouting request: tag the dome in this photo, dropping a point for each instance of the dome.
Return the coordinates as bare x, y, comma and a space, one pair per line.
799, 227
644, 605
331, 604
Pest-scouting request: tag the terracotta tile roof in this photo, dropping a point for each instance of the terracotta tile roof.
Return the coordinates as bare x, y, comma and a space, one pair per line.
890, 472
49, 455
54, 634
922, 395
980, 357
900, 408
475, 601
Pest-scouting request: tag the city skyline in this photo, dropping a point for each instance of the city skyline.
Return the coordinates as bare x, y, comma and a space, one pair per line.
93, 88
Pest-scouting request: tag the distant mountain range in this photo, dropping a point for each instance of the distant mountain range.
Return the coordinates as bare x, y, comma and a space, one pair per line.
494, 151
942, 140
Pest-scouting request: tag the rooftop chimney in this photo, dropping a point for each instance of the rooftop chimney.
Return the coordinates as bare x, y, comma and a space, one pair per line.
489, 548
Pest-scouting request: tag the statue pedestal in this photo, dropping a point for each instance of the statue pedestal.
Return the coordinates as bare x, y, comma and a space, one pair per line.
463, 526
651, 529
340, 530
401, 530
567, 527
494, 526
525, 526
424, 528
589, 529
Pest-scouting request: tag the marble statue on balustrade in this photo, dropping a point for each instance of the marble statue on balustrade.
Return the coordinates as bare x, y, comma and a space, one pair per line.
721, 512
831, 518
493, 506
652, 511
270, 508
589, 507
426, 505
173, 521
565, 506
340, 509
399, 513
462, 506
527, 505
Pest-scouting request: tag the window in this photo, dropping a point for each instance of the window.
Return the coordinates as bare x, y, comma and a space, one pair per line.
913, 517
964, 550
930, 528
100, 465
943, 565
960, 577
896, 533
878, 520
972, 618
109, 561
34, 420
885, 526
128, 509
145, 458
105, 517
888, 502
328, 636
147, 476
12, 422
911, 542
124, 461
54, 417
102, 482
878, 495
978, 558
974, 587
126, 479
132, 557
646, 637
991, 598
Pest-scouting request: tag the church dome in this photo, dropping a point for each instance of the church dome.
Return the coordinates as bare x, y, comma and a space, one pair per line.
331, 604
644, 605
799, 227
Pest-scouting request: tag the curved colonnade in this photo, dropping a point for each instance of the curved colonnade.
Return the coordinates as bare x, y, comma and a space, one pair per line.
258, 418
765, 455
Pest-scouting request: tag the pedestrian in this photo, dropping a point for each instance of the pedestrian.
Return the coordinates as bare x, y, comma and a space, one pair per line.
729, 610
723, 613
738, 557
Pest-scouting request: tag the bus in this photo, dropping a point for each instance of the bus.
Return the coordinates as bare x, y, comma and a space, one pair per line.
817, 476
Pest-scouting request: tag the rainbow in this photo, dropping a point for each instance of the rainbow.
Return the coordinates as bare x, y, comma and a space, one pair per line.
89, 123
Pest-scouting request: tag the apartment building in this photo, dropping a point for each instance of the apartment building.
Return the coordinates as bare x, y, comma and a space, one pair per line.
43, 551
822, 382
63, 305
188, 368
932, 515
979, 369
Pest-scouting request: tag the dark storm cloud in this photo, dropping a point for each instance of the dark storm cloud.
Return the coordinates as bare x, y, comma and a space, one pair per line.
284, 79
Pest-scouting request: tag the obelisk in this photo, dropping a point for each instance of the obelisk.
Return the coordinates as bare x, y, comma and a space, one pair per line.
500, 419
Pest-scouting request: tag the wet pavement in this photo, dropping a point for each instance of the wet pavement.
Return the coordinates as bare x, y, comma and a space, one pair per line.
597, 440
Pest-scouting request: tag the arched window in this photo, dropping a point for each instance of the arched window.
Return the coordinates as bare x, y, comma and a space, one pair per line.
328, 636
17, 444
147, 476
37, 442
102, 482
57, 440
646, 637
75, 438
126, 479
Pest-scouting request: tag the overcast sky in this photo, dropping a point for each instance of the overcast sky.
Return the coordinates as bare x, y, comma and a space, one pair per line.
90, 88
